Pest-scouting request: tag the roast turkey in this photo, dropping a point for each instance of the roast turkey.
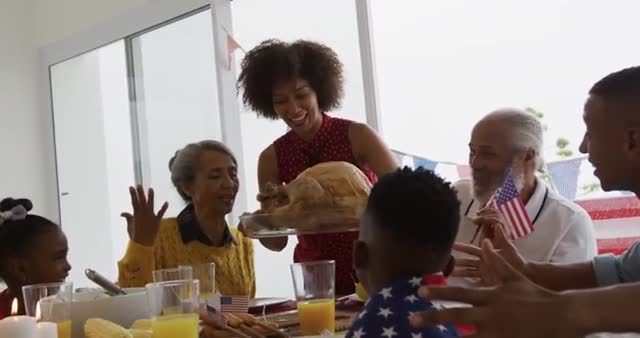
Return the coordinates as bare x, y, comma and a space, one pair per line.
330, 192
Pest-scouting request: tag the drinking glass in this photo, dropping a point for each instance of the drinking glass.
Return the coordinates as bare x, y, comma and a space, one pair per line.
50, 302
314, 286
173, 307
180, 273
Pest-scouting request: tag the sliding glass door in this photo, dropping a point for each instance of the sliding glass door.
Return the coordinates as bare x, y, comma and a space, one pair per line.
175, 96
94, 155
120, 112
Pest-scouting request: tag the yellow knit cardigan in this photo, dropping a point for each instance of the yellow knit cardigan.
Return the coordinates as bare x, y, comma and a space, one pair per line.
235, 274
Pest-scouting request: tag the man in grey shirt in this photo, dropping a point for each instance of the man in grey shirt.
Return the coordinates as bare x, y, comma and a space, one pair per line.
536, 300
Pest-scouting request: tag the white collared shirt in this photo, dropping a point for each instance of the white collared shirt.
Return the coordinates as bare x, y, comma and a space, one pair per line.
562, 231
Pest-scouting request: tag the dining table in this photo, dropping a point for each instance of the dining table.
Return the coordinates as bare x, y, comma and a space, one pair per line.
285, 315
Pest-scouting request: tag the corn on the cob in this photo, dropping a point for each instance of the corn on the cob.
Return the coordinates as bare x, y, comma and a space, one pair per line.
135, 333
100, 328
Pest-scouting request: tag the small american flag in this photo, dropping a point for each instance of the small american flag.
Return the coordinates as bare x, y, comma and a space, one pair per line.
237, 304
513, 209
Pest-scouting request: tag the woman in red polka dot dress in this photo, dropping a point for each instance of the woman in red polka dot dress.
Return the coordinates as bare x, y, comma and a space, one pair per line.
298, 82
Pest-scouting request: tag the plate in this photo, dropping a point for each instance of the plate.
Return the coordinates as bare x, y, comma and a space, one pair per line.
350, 298
264, 302
266, 225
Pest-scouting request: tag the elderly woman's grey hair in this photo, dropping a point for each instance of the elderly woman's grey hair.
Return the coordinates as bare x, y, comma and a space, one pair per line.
183, 164
527, 131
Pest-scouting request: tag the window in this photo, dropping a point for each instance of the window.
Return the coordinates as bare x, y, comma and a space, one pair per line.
443, 65
99, 150
176, 96
94, 156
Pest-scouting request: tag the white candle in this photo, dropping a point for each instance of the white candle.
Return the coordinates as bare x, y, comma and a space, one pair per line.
17, 326
46, 330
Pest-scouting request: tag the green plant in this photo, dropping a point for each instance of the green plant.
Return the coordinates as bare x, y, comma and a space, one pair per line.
589, 188
563, 150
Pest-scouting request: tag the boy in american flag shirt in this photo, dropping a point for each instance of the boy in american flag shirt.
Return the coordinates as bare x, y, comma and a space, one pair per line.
406, 234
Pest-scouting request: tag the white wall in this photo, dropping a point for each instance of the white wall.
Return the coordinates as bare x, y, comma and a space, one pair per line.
25, 133
59, 19
26, 164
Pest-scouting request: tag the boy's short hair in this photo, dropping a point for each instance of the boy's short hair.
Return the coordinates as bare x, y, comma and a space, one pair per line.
416, 208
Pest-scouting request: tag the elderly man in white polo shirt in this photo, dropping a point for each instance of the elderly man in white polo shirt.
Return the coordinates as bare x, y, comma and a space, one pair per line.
510, 138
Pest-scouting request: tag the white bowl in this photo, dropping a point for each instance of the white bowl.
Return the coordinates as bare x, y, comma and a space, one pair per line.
122, 310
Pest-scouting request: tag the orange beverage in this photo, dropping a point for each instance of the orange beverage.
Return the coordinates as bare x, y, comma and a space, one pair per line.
316, 316
64, 329
205, 296
173, 326
173, 307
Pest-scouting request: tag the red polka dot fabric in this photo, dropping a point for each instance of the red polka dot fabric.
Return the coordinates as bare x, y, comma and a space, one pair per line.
294, 155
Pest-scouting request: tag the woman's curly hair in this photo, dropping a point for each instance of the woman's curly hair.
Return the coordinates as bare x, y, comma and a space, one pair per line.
274, 60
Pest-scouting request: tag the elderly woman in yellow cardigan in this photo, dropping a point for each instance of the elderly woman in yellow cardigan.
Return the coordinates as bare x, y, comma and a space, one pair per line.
205, 175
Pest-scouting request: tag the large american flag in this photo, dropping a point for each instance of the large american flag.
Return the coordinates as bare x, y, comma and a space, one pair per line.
237, 304
616, 222
509, 203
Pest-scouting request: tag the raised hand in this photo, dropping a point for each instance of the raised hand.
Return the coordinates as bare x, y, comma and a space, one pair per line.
487, 219
143, 225
517, 308
474, 266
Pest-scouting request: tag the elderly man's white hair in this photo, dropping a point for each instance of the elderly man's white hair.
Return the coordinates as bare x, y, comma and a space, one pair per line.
527, 130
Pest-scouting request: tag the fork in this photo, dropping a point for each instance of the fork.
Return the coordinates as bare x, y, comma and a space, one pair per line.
326, 333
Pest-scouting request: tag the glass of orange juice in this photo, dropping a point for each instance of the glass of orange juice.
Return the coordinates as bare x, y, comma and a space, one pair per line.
50, 302
314, 285
173, 307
